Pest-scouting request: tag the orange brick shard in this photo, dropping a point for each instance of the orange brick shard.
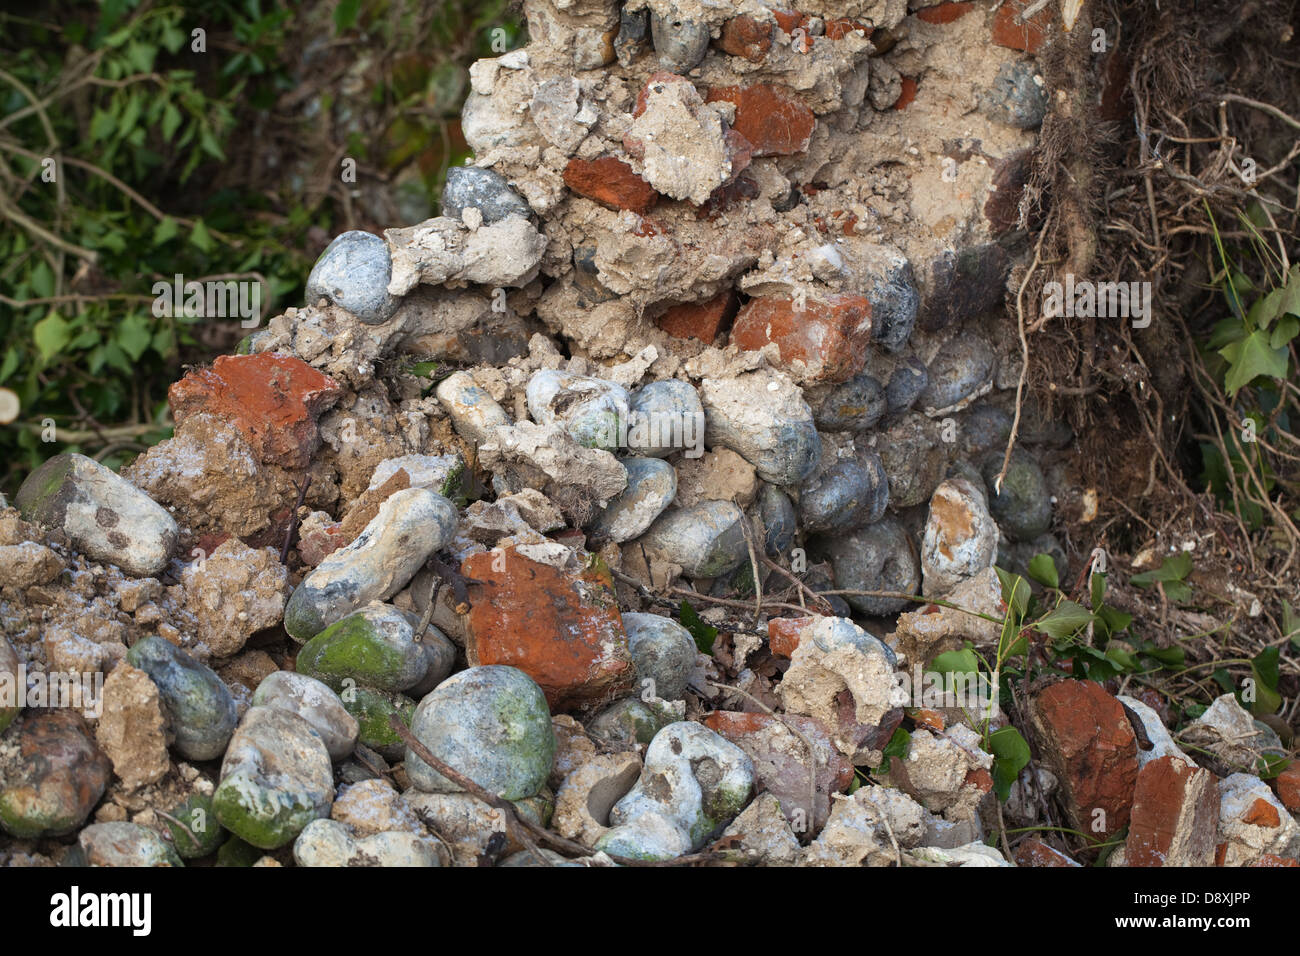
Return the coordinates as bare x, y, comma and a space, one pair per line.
561, 627
274, 400
1090, 746
773, 119
945, 12
783, 634
829, 337
1009, 30
611, 182
747, 37
1175, 815
699, 320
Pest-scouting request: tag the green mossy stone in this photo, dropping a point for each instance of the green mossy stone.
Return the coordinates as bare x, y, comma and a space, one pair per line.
372, 710
198, 834
276, 778
236, 852
375, 647
491, 723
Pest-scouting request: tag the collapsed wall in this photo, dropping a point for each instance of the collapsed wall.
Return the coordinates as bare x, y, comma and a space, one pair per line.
723, 288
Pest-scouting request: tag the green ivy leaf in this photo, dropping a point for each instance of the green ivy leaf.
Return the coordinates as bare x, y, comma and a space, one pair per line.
1015, 592
200, 237
1113, 619
1171, 573
9, 365
171, 121
1067, 620
133, 336
1251, 358
1042, 568
703, 632
1286, 330
51, 335
1266, 668
1097, 591
963, 661
1010, 756
345, 15
166, 229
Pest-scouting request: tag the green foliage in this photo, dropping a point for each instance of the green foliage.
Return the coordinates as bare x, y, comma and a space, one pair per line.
703, 632
1010, 756
1170, 575
129, 156
1247, 359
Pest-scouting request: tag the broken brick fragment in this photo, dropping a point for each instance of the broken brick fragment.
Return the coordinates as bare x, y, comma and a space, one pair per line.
747, 37
945, 12
1010, 30
274, 401
699, 320
1287, 785
829, 337
909, 93
1034, 852
840, 27
783, 634
561, 626
611, 182
1261, 813
790, 20
1175, 816
1089, 744
773, 119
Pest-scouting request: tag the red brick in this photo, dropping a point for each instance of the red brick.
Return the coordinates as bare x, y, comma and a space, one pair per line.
1089, 744
840, 27
1287, 785
610, 182
699, 320
315, 546
1034, 852
790, 20
927, 718
979, 778
783, 634
773, 119
1262, 814
830, 337
945, 12
747, 37
781, 760
560, 627
1175, 815
909, 93
274, 400
1026, 36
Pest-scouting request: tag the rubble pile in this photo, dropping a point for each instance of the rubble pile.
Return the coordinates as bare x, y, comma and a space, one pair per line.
717, 307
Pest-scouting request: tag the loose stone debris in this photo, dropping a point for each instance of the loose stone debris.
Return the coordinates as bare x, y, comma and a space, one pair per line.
716, 307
